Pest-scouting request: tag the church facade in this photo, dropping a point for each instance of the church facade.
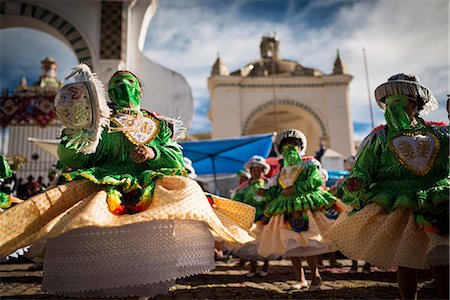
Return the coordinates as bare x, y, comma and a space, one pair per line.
272, 94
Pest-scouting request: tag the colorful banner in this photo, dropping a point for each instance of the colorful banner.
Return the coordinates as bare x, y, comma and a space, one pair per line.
26, 109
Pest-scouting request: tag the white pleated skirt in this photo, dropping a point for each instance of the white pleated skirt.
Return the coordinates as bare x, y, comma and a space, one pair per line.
142, 259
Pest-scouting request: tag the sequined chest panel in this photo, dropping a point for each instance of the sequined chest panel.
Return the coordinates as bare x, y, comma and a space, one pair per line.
416, 151
288, 175
139, 130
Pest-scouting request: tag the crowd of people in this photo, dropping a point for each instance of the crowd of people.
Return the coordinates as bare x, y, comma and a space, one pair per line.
22, 189
130, 186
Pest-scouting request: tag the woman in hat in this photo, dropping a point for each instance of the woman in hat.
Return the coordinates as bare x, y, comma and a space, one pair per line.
399, 190
298, 210
247, 193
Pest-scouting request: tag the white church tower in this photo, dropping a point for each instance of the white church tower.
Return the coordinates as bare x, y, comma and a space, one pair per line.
272, 94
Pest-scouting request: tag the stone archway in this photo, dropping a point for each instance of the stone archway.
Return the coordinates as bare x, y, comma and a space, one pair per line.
13, 14
290, 114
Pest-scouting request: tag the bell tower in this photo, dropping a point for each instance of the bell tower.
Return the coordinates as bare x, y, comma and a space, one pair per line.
270, 46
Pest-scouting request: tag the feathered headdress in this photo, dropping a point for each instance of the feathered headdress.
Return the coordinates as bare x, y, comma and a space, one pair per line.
82, 108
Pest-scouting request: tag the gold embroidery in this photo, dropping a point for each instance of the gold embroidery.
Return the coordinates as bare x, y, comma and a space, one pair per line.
424, 147
289, 175
143, 130
407, 149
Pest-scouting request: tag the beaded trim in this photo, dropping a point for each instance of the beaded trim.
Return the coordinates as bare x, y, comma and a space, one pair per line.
137, 125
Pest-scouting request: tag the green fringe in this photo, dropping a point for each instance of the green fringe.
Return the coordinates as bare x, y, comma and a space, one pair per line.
313, 201
422, 222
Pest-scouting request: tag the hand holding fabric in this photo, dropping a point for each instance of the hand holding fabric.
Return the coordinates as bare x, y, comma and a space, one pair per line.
353, 184
142, 153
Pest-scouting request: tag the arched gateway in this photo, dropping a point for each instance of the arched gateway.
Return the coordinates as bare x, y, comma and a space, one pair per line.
108, 36
286, 114
272, 94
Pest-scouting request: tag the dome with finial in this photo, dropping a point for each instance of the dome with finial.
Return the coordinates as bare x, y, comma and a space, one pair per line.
339, 67
219, 68
270, 62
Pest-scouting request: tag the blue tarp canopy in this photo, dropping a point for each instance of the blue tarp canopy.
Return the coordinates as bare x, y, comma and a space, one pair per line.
225, 156
334, 175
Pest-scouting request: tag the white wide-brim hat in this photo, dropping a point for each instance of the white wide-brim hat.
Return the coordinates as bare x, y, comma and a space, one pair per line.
257, 160
292, 134
407, 84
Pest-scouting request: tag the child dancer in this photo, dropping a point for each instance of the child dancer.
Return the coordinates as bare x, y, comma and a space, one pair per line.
247, 193
298, 211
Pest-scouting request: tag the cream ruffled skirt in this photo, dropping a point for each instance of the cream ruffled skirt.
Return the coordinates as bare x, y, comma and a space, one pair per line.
278, 239
128, 255
388, 240
249, 251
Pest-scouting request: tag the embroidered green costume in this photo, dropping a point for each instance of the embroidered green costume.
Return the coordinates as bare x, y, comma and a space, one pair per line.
113, 166
298, 212
306, 178
248, 195
405, 169
130, 184
398, 188
123, 226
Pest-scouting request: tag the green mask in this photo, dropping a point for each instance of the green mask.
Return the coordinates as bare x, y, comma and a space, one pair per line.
396, 114
290, 154
125, 91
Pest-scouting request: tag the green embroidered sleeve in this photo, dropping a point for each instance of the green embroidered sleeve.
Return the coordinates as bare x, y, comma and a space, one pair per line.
365, 169
311, 180
69, 157
167, 152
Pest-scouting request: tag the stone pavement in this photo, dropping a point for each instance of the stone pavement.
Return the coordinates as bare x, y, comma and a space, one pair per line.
228, 281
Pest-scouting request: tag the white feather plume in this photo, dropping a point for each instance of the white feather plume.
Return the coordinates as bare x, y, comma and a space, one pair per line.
102, 112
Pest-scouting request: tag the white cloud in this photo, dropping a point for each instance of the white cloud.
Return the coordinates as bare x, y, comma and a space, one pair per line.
399, 36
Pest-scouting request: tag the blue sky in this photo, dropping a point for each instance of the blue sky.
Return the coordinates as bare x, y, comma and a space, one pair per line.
399, 36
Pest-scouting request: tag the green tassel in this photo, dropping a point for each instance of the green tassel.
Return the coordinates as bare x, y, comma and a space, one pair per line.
422, 222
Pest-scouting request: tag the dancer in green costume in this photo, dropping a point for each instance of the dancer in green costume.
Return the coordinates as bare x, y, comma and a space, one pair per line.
299, 212
136, 150
399, 190
248, 193
123, 222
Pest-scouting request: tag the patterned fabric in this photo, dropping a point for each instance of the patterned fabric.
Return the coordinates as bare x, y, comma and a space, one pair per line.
81, 204
387, 240
147, 259
400, 213
278, 238
390, 182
